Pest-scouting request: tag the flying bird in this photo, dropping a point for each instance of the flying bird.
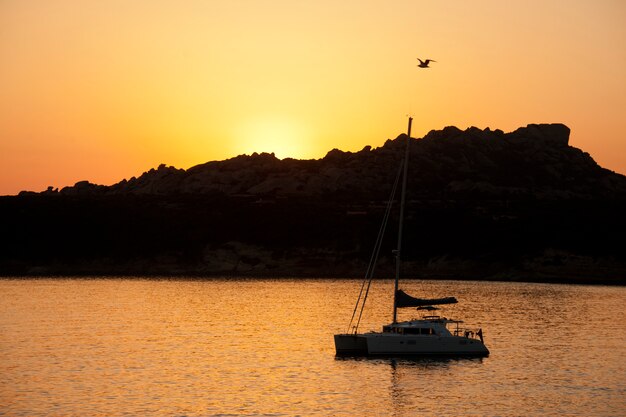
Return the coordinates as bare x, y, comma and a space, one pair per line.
424, 64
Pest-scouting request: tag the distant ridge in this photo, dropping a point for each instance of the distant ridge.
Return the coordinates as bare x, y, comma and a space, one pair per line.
482, 204
532, 162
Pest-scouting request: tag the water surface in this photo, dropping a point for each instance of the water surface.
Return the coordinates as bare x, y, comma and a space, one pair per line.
112, 347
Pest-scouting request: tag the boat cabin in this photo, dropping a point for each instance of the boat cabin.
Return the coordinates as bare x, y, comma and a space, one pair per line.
428, 326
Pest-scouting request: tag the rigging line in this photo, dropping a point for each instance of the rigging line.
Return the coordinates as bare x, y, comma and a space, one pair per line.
374, 257
379, 242
371, 264
381, 235
370, 267
358, 300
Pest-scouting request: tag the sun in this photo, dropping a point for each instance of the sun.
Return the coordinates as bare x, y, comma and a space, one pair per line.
283, 137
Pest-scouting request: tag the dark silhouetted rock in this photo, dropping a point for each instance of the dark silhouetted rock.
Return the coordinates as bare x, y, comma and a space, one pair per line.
534, 162
83, 188
482, 204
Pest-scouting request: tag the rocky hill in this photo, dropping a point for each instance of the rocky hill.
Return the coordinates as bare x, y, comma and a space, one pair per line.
532, 162
483, 204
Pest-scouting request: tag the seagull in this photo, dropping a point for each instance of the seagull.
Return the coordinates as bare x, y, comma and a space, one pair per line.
424, 64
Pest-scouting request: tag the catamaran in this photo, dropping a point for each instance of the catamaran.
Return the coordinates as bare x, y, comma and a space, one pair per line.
428, 335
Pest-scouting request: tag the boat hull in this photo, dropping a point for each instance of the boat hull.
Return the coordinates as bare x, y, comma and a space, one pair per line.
350, 345
391, 344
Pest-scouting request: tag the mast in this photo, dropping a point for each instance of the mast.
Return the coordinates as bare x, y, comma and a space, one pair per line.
401, 223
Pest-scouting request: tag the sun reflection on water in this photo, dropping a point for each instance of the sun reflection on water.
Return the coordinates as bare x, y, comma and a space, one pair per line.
243, 347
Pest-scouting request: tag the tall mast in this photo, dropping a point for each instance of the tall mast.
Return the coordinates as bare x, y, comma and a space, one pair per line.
401, 223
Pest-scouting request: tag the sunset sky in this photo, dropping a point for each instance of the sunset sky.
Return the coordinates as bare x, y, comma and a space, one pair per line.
105, 90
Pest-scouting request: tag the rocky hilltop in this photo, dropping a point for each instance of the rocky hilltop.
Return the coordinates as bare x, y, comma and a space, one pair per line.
532, 162
483, 204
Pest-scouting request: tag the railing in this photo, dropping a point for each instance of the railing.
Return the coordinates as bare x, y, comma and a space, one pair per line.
469, 333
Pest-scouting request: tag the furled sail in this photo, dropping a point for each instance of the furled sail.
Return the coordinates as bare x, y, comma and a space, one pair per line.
405, 300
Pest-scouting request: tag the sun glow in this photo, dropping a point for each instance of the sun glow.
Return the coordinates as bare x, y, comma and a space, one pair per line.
102, 91
281, 136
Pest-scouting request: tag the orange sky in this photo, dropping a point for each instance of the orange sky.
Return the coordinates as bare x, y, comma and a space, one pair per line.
104, 90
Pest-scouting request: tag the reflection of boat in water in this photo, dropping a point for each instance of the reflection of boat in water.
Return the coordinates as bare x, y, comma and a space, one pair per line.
426, 336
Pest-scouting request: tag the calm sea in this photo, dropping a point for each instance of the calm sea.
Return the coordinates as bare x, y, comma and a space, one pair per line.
133, 347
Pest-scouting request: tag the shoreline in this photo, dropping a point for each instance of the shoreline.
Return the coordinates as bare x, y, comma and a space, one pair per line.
616, 282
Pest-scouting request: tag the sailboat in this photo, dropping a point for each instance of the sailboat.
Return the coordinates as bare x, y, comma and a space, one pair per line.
429, 335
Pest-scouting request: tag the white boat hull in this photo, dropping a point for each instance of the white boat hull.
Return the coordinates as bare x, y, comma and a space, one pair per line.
391, 344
